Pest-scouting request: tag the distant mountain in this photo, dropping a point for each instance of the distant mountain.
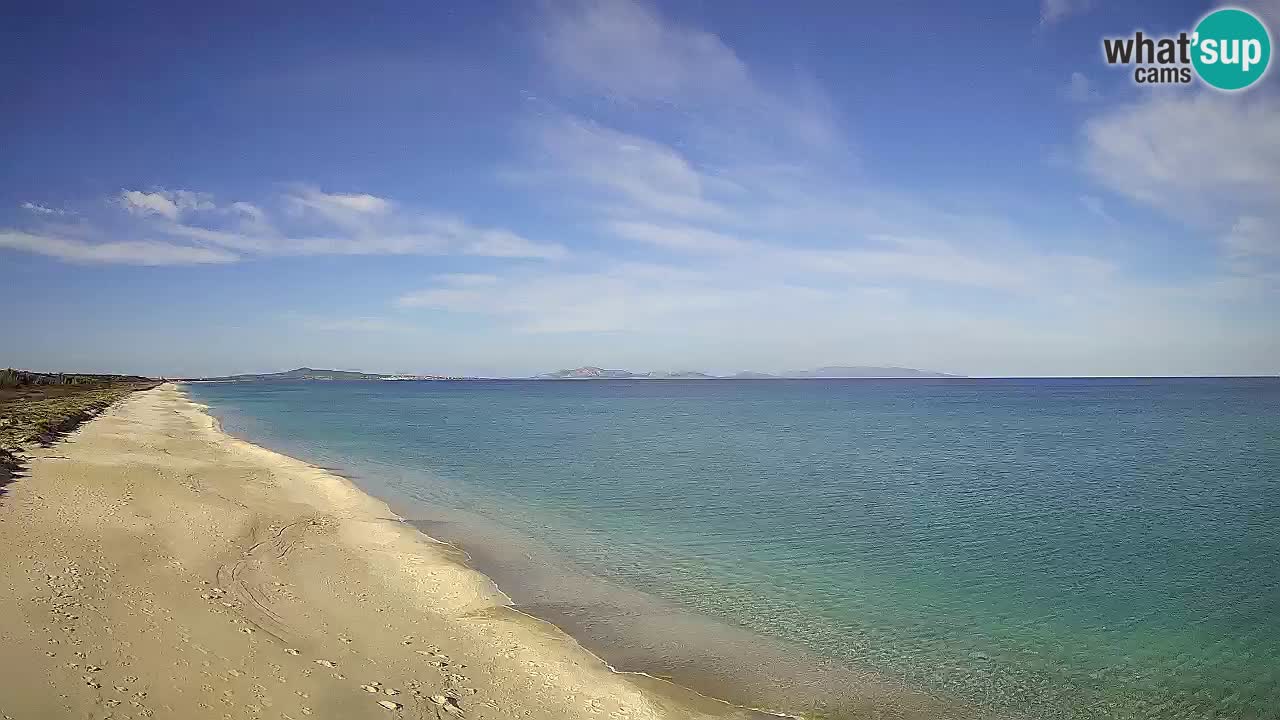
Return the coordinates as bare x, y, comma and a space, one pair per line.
298, 374
586, 373
858, 371
866, 371
679, 375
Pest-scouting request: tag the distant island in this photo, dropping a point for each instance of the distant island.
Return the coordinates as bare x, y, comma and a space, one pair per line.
306, 373
590, 373
595, 373
830, 372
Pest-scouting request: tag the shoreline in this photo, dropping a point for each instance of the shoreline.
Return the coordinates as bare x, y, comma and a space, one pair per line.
793, 674
466, 560
160, 566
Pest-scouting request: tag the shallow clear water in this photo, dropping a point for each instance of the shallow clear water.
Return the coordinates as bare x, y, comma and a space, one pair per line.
1031, 548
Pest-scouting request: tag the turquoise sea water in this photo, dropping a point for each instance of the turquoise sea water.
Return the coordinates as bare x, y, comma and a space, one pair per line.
1024, 548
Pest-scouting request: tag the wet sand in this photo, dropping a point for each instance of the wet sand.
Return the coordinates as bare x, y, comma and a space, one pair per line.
638, 632
157, 567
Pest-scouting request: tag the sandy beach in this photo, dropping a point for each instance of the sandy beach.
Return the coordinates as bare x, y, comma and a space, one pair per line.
157, 567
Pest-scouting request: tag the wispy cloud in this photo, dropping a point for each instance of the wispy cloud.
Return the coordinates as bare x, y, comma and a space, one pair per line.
731, 188
192, 227
748, 224
882, 258
626, 52
624, 169
1189, 154
42, 209
796, 221
1209, 160
620, 297
167, 203
131, 252
767, 322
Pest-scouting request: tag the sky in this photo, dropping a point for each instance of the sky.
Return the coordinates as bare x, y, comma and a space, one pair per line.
507, 189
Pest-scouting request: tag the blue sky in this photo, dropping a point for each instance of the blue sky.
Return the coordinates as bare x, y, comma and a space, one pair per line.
515, 188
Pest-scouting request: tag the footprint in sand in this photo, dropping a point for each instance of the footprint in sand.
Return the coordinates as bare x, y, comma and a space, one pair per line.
448, 704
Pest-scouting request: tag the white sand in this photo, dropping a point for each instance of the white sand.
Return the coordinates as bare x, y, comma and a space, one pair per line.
155, 566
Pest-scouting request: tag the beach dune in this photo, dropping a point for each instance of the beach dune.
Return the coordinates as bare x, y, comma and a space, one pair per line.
155, 566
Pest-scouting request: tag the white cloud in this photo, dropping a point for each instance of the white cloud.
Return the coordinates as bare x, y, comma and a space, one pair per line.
41, 209
167, 203
239, 241
133, 252
624, 297
1190, 154
680, 238
361, 203
624, 49
308, 222
798, 247
1209, 160
627, 52
633, 170
504, 244
795, 220
249, 211
1053, 11
363, 224
140, 203
887, 258
356, 212
657, 316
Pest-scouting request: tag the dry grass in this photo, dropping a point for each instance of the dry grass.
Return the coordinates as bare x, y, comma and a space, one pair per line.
32, 413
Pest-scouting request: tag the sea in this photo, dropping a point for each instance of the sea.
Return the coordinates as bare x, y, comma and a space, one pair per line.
999, 548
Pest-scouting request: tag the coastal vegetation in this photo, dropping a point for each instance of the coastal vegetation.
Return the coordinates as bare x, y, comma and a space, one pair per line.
40, 407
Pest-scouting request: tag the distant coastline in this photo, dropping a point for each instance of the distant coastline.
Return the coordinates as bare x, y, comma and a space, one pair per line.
868, 372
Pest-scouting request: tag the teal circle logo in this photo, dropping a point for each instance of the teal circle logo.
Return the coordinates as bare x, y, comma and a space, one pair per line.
1232, 49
